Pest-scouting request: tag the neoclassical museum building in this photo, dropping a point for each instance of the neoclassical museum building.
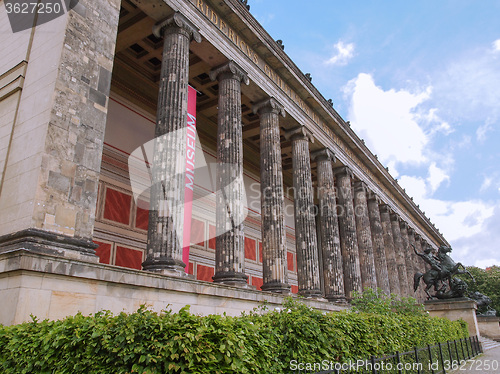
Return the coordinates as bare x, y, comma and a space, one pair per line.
169, 152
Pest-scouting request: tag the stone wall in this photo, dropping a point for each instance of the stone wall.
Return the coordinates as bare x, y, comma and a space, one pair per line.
55, 287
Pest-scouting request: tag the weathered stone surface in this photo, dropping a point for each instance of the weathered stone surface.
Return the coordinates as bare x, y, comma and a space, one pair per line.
400, 254
413, 259
378, 243
53, 287
365, 244
274, 256
333, 272
166, 215
403, 226
229, 244
57, 113
347, 231
390, 254
305, 224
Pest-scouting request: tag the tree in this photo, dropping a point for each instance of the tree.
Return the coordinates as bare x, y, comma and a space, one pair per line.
487, 282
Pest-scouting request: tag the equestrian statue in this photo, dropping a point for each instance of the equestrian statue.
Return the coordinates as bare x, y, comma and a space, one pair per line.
441, 274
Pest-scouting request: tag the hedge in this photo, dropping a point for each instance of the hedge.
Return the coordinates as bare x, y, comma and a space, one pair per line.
264, 341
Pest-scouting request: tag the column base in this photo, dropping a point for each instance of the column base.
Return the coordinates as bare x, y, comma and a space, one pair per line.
231, 278
165, 266
276, 287
336, 299
316, 293
49, 243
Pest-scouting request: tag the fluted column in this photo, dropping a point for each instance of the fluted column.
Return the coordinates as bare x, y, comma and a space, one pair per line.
407, 256
413, 258
363, 230
166, 215
333, 273
347, 231
305, 224
229, 244
274, 255
420, 266
399, 251
378, 243
390, 252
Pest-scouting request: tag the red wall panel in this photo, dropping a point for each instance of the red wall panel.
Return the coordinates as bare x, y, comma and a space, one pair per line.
128, 257
117, 206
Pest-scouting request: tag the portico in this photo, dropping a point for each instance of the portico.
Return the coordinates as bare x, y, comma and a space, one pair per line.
287, 198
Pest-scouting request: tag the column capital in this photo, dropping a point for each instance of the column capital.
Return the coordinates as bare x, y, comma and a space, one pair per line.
373, 196
232, 70
417, 236
360, 186
411, 231
344, 170
323, 154
385, 208
395, 216
269, 105
403, 224
179, 21
300, 132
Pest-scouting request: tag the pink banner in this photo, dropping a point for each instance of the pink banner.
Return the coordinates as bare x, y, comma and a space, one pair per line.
189, 182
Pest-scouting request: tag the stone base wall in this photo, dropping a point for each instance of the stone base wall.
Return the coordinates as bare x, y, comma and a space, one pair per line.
455, 309
54, 287
489, 326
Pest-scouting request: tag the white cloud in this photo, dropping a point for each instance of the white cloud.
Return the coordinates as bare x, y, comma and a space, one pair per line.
496, 45
396, 127
487, 182
386, 120
343, 53
482, 131
436, 177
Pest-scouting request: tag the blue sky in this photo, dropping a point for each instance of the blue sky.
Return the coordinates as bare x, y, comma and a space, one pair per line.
420, 82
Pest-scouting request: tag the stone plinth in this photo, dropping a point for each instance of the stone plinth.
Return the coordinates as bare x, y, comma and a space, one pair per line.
489, 326
455, 309
56, 287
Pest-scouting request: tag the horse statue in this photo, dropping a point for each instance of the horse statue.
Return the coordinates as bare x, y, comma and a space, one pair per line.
449, 267
441, 274
432, 276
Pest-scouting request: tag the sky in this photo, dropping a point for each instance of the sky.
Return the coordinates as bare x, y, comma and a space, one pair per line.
420, 83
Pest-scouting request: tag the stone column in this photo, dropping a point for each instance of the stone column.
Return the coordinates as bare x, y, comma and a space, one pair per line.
378, 243
390, 253
413, 258
333, 274
420, 265
399, 251
229, 244
347, 231
305, 225
407, 255
363, 230
166, 215
274, 255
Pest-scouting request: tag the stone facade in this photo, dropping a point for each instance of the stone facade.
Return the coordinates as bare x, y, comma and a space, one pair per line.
81, 94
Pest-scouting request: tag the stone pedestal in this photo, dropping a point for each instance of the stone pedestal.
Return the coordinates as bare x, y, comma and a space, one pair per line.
455, 309
489, 326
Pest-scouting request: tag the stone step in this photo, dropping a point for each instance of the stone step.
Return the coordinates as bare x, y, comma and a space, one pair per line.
488, 343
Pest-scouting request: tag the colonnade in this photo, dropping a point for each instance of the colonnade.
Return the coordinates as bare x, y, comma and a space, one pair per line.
364, 243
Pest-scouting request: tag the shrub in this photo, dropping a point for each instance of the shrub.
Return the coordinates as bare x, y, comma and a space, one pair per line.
263, 341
